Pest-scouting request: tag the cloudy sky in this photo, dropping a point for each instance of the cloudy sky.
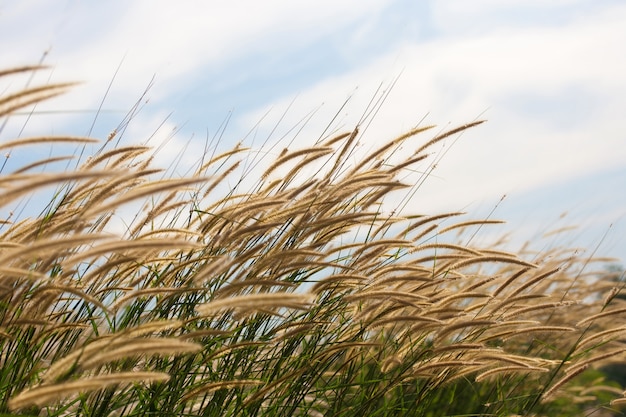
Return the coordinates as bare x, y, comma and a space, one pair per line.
549, 76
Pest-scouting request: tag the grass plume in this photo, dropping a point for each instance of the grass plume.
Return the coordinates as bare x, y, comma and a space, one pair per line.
301, 295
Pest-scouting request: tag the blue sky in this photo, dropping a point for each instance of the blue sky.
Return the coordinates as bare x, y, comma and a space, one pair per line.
549, 76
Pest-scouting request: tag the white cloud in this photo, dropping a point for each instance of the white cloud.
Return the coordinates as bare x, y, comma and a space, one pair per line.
176, 42
570, 73
88, 40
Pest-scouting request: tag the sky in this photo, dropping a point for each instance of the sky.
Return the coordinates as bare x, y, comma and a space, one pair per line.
549, 77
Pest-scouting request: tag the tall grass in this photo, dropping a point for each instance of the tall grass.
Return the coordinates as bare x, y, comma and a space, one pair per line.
298, 296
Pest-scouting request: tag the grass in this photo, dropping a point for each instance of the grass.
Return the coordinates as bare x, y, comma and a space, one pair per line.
297, 296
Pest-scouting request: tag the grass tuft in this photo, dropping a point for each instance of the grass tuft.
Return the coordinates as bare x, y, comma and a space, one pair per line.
299, 295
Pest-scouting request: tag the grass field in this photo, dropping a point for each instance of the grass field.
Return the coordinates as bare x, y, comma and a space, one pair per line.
292, 293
